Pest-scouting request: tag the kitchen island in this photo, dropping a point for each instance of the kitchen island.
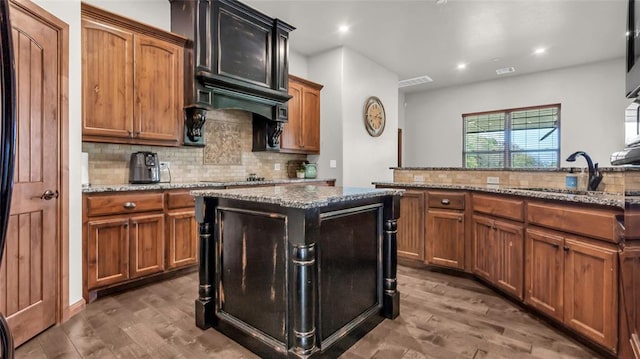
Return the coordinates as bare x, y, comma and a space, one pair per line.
297, 271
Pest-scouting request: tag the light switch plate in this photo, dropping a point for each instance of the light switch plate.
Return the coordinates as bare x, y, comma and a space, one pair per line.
332, 164
276, 167
418, 178
493, 180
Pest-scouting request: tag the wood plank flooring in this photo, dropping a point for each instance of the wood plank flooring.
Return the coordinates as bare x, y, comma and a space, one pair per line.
442, 317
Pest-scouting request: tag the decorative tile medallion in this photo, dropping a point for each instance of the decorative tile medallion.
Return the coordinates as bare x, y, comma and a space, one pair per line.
223, 143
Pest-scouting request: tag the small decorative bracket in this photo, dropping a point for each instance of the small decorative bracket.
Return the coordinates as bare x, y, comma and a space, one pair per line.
194, 120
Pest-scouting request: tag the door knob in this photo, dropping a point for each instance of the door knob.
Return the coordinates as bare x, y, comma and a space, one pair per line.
49, 195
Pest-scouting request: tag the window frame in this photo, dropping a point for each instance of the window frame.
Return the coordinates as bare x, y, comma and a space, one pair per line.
507, 151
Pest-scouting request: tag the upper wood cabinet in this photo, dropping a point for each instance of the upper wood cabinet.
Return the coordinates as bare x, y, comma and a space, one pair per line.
301, 134
132, 81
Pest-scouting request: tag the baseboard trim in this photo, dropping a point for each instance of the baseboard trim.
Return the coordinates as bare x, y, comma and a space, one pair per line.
74, 309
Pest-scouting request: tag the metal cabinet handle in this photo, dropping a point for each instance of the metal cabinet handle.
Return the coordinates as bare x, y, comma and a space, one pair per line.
49, 195
445, 201
129, 205
566, 249
460, 219
555, 245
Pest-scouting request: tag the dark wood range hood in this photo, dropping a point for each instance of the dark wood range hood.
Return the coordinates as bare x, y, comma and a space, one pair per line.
239, 59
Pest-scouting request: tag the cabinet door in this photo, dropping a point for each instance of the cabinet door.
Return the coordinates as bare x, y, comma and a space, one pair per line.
445, 238
411, 226
107, 80
158, 89
292, 132
485, 252
544, 272
182, 238
510, 242
311, 120
147, 244
107, 251
591, 295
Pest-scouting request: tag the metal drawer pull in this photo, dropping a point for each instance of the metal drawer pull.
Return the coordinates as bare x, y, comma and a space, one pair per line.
129, 205
555, 245
460, 219
445, 201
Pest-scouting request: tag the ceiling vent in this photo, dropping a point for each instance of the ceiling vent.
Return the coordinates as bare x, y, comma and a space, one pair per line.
415, 81
505, 70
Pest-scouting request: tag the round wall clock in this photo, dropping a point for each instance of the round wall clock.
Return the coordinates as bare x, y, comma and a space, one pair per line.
374, 116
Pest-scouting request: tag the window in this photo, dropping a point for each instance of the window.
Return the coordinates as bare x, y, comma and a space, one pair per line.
516, 138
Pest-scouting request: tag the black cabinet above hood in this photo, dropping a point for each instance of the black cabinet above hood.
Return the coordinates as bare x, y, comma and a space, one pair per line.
239, 59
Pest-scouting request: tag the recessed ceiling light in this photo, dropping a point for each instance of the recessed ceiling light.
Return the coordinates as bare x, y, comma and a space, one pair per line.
343, 29
540, 51
441, 2
462, 66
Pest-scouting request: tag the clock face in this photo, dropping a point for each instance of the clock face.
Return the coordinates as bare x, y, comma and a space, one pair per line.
374, 116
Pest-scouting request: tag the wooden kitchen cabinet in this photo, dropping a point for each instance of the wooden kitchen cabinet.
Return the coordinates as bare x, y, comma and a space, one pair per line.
301, 134
146, 244
124, 237
591, 290
571, 277
123, 247
498, 242
107, 251
182, 230
132, 81
411, 230
544, 268
445, 229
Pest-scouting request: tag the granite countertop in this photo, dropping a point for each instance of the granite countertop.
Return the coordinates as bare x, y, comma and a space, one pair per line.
308, 196
192, 185
562, 169
589, 197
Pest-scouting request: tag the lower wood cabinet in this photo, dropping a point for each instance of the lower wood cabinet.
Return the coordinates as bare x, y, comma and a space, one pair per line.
182, 238
498, 253
574, 280
146, 244
124, 247
445, 238
411, 228
107, 251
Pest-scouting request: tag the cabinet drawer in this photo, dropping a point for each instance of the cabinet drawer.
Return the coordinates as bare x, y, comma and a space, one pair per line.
180, 199
100, 205
590, 222
449, 200
499, 206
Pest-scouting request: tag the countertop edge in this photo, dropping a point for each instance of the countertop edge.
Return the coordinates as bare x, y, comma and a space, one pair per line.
603, 199
192, 185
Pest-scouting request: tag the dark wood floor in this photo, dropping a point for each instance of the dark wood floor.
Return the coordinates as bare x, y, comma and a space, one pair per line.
442, 316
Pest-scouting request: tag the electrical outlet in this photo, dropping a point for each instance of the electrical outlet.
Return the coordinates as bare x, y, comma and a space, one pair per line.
276, 167
164, 165
332, 164
418, 178
493, 180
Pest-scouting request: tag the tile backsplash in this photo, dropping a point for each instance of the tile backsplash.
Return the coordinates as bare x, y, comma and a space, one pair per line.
228, 155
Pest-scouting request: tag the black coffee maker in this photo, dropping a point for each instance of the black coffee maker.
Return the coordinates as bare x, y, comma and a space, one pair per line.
144, 168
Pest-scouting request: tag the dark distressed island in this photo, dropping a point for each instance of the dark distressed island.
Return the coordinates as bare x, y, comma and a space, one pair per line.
297, 271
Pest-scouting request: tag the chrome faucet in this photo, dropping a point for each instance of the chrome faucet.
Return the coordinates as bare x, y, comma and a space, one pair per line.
595, 177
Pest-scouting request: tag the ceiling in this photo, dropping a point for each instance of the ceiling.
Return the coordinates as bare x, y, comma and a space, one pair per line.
420, 37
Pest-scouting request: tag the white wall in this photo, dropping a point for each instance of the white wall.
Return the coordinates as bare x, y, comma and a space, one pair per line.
69, 12
151, 12
592, 112
349, 79
298, 64
326, 69
365, 158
